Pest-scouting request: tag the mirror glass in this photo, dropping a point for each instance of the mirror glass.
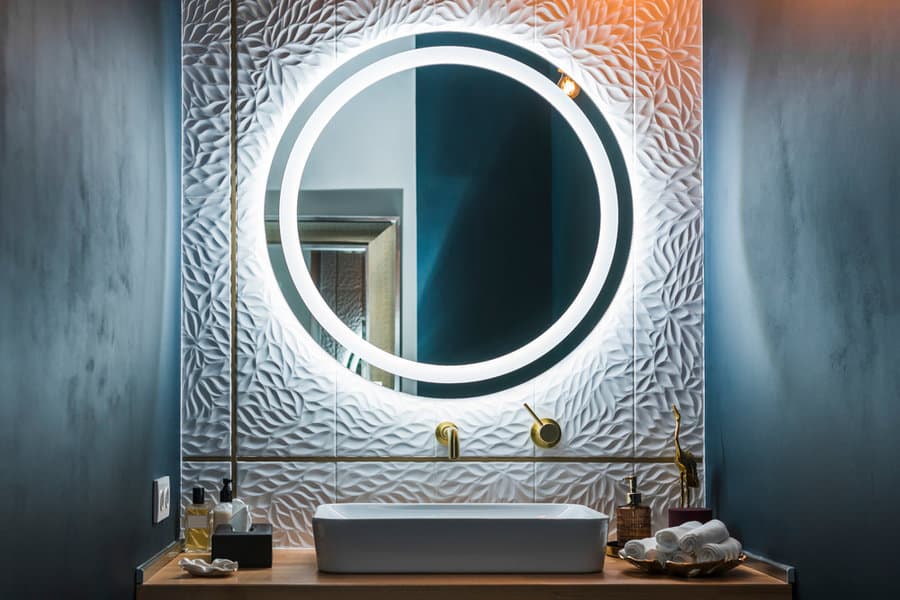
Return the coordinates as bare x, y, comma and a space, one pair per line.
447, 214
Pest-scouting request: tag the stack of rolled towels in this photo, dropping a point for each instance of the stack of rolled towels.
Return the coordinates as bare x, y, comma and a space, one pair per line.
691, 542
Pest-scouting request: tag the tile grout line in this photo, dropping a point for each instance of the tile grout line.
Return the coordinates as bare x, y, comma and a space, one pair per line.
633, 263
334, 401
703, 487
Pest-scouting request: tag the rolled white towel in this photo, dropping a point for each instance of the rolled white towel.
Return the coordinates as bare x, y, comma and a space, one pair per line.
730, 549
712, 532
668, 539
662, 557
640, 549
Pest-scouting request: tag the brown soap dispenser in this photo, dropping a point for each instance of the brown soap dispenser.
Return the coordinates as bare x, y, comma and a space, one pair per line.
632, 519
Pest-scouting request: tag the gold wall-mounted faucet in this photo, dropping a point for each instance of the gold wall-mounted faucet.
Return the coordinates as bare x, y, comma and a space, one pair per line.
447, 434
545, 432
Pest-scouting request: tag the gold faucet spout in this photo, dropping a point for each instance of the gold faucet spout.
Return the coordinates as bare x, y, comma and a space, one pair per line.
447, 434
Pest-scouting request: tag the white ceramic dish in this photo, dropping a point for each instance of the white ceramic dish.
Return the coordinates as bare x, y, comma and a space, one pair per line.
200, 568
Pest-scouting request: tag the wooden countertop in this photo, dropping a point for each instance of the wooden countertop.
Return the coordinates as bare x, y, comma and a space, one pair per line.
294, 575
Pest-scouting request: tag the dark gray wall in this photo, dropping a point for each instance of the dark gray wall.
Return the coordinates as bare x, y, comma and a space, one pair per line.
802, 143
89, 192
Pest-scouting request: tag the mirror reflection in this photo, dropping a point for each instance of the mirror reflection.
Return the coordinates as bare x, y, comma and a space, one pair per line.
447, 214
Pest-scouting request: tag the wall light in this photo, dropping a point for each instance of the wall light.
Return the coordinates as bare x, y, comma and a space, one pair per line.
568, 85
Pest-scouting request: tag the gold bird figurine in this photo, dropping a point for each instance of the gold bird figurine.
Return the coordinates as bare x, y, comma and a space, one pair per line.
687, 464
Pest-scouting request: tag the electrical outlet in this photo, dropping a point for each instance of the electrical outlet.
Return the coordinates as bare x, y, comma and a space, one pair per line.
162, 499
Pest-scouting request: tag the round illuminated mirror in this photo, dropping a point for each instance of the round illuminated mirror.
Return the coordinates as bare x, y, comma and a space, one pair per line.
446, 215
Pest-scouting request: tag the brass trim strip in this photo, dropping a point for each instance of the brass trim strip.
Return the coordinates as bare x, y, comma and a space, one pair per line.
647, 460
233, 172
152, 565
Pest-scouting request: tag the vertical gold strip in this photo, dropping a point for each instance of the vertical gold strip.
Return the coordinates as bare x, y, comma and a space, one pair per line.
233, 143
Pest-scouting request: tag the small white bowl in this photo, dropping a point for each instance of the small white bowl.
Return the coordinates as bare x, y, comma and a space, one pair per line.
198, 567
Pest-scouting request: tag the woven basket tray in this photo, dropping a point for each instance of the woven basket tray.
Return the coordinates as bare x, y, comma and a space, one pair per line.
707, 569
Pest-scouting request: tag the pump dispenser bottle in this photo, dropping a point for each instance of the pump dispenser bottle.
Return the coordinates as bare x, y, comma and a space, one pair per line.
224, 510
231, 510
632, 519
197, 523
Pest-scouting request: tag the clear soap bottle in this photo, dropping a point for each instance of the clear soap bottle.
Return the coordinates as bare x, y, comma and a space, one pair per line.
632, 519
197, 523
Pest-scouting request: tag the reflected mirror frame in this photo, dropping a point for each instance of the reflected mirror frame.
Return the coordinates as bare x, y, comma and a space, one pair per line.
273, 236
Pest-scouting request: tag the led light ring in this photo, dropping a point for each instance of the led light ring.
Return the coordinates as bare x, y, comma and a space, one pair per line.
449, 55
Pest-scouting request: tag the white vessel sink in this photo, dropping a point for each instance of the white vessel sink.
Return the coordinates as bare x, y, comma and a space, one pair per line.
459, 538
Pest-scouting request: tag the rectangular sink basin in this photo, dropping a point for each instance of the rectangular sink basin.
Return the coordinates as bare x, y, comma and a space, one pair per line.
459, 538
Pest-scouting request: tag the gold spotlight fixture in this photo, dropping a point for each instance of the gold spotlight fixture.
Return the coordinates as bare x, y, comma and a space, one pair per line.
568, 85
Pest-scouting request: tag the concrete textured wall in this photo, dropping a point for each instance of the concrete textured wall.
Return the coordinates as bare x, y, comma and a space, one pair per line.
89, 237
802, 139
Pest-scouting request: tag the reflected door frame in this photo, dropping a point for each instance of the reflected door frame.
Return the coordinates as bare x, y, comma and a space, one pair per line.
382, 238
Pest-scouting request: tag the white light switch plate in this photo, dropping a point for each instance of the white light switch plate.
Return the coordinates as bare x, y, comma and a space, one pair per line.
162, 499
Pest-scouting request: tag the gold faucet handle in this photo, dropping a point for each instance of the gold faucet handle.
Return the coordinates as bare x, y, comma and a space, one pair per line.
545, 433
447, 434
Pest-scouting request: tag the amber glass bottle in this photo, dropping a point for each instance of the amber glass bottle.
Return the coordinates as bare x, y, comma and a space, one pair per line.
197, 523
632, 519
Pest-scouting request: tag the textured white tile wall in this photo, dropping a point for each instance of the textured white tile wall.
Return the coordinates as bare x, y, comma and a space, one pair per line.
591, 484
206, 228
286, 494
668, 204
639, 61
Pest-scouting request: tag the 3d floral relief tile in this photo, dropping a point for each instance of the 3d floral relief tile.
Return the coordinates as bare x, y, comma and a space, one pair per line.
386, 482
286, 382
374, 421
286, 391
206, 224
505, 18
284, 48
205, 327
286, 387
669, 223
206, 79
357, 21
669, 338
286, 495
208, 475
483, 482
596, 485
679, 382
669, 70
598, 38
658, 484
590, 391
669, 333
